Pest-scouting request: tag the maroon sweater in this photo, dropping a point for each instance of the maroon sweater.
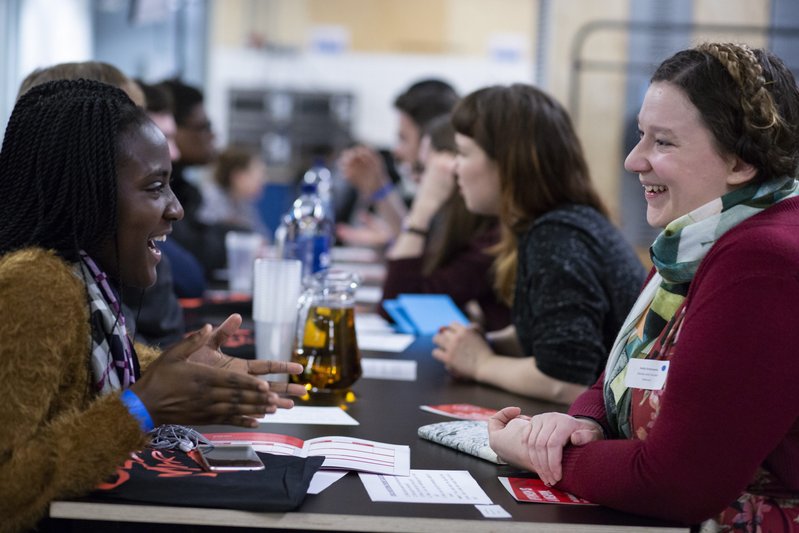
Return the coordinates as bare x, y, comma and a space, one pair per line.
731, 401
465, 276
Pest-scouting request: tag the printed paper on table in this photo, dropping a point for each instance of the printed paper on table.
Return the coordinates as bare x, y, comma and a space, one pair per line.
393, 369
426, 486
340, 453
309, 414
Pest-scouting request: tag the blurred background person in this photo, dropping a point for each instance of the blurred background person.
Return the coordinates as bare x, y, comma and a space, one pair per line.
161, 110
90, 70
230, 196
365, 169
195, 141
443, 248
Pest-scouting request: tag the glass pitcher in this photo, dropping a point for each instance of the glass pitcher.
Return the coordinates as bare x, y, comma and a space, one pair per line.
325, 343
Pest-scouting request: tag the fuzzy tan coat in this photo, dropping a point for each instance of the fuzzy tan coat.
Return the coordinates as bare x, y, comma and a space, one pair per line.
57, 438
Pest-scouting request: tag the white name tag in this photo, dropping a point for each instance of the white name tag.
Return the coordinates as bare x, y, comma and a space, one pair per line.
649, 374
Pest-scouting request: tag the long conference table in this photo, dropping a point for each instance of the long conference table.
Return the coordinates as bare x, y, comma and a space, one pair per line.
388, 411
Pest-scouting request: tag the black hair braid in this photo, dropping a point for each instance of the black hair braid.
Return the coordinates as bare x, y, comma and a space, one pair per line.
17, 159
61, 180
95, 188
58, 166
62, 191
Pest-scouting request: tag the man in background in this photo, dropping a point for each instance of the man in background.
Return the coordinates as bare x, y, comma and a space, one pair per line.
194, 138
365, 169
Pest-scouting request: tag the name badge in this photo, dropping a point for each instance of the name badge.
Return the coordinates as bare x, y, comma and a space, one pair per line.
649, 374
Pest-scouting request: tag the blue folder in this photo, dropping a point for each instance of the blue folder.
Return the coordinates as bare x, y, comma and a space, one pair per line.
423, 314
402, 323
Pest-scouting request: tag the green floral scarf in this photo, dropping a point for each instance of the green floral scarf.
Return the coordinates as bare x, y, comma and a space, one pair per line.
676, 254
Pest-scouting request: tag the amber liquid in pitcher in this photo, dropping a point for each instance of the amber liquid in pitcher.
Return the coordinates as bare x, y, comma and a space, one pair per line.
329, 352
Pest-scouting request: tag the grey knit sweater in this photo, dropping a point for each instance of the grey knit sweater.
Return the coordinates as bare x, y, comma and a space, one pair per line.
577, 278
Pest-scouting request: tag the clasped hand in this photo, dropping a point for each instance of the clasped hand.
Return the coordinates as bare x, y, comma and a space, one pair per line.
537, 443
193, 382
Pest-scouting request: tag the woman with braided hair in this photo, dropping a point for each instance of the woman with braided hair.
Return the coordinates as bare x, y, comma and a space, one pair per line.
696, 417
86, 197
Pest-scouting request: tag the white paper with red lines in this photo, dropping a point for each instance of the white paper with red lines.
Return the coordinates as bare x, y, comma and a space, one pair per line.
340, 453
309, 414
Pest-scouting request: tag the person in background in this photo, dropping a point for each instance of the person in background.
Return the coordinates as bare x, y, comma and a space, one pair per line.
444, 248
89, 70
86, 197
186, 272
229, 198
714, 440
161, 110
364, 168
567, 270
195, 140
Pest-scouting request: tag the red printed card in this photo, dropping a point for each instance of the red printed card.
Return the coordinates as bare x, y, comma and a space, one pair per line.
533, 490
464, 411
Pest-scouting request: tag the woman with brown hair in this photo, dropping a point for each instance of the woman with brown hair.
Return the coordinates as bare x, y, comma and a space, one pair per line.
568, 272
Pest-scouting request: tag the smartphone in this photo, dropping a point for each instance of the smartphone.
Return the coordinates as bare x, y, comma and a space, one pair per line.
230, 458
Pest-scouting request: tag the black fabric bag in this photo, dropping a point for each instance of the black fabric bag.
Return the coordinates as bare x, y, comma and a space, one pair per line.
175, 478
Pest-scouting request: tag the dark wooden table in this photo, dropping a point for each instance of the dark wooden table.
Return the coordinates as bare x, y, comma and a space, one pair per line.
388, 411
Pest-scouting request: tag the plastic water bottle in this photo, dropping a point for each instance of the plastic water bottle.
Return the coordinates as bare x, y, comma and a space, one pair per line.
320, 176
306, 232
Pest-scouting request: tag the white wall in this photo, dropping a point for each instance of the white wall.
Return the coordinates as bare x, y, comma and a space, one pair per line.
39, 33
54, 32
374, 80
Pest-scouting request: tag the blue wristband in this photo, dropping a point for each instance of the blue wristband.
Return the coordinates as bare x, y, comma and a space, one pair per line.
382, 192
137, 409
